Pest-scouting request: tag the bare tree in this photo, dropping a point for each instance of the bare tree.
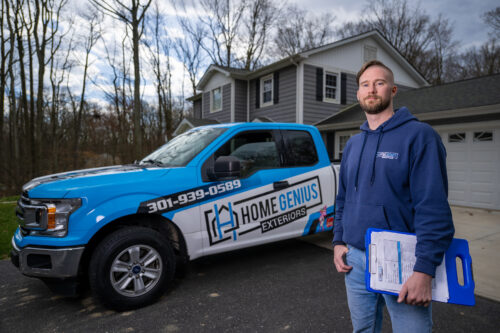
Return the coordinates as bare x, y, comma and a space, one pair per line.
442, 52
189, 50
4, 39
297, 31
159, 48
492, 18
258, 22
133, 16
220, 21
89, 41
479, 61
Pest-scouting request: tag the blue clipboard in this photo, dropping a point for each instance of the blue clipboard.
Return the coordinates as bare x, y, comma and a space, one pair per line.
459, 248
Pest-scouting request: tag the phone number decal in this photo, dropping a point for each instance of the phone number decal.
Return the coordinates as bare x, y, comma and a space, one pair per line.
187, 198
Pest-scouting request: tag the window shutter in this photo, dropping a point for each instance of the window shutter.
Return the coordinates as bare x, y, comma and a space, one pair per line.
276, 87
257, 93
319, 84
343, 88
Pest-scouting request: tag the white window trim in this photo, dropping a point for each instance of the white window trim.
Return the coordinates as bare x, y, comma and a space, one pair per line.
337, 141
262, 79
331, 100
212, 110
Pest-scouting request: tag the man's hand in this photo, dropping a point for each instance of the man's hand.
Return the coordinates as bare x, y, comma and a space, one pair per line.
417, 290
339, 252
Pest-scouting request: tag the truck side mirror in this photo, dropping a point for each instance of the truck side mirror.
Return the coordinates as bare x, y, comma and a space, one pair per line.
227, 167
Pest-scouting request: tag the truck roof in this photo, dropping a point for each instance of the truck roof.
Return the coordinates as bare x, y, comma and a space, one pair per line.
257, 125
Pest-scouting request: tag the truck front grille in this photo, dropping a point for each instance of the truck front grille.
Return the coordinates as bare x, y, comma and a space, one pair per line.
31, 215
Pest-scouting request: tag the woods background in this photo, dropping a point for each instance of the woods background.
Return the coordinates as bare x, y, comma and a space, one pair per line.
103, 82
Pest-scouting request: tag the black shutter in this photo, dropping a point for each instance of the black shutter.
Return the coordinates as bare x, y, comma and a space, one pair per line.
257, 93
276, 87
343, 88
319, 84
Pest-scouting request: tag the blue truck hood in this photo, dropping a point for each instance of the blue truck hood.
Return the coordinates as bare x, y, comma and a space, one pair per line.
74, 183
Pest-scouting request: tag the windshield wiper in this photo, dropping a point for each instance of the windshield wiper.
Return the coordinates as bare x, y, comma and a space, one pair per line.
154, 162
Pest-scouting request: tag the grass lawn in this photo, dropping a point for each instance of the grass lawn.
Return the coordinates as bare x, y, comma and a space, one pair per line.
8, 224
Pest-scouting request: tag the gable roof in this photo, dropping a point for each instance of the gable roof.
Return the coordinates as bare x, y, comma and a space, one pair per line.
296, 58
238, 73
432, 102
386, 45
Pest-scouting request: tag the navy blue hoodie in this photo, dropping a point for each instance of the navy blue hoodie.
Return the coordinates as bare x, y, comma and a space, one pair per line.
394, 178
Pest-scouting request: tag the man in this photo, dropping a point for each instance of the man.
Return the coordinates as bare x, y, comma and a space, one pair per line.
392, 176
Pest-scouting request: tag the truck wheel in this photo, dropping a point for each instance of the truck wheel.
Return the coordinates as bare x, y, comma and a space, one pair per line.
131, 268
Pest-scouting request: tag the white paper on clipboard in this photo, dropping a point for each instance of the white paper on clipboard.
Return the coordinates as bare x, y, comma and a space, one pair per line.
391, 262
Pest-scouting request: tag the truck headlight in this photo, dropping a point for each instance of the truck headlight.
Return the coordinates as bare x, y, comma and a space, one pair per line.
47, 217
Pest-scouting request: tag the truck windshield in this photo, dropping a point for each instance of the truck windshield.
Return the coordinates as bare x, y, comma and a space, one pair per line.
183, 148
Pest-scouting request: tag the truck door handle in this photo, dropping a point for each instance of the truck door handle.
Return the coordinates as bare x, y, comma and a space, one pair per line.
280, 185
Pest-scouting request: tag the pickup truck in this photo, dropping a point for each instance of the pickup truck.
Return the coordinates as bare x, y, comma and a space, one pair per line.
126, 229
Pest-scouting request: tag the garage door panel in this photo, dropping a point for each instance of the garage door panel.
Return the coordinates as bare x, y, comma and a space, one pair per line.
455, 157
481, 198
457, 186
456, 195
482, 177
481, 167
457, 176
483, 156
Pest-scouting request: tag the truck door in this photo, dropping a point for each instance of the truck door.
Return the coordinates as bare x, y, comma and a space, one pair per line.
311, 183
235, 218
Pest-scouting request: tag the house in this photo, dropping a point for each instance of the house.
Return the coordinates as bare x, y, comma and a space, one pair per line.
304, 88
319, 87
466, 114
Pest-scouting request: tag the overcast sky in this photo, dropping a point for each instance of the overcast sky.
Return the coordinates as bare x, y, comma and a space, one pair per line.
464, 15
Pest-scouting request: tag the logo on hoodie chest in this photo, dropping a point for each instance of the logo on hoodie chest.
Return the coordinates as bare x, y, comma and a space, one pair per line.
387, 155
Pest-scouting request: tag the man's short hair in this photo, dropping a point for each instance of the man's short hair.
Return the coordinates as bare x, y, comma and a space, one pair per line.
371, 63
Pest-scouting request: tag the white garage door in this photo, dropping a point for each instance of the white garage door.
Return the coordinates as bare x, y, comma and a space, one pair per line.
473, 162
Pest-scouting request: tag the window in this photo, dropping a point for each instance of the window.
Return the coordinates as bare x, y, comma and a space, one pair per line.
256, 150
331, 84
216, 100
341, 139
369, 53
483, 136
300, 149
456, 137
266, 87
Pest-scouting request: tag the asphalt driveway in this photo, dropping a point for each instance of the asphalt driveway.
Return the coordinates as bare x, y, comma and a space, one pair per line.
289, 286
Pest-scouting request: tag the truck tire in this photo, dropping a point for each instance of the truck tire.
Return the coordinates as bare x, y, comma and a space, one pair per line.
131, 268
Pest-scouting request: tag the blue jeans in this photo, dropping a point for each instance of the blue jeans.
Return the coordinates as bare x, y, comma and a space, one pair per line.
367, 308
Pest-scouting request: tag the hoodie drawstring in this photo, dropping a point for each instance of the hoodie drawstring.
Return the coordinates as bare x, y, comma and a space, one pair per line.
380, 135
359, 163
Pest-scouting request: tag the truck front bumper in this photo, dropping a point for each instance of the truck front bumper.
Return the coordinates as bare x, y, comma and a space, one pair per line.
47, 262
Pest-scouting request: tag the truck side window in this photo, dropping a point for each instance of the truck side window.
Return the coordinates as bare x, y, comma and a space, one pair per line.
300, 149
255, 149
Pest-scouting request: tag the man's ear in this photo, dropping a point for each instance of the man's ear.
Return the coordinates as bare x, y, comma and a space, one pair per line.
394, 90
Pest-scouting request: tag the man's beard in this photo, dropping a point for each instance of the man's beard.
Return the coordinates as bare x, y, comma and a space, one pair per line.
377, 107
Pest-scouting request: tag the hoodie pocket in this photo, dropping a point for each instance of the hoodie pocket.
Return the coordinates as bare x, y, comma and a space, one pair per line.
357, 218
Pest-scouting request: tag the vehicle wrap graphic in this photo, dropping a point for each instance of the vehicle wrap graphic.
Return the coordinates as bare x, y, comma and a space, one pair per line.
187, 198
320, 221
263, 212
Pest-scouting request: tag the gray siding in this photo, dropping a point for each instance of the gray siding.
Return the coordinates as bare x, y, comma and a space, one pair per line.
223, 116
240, 101
314, 110
197, 107
285, 110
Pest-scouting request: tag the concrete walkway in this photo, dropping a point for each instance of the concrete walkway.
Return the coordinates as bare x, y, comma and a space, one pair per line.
481, 228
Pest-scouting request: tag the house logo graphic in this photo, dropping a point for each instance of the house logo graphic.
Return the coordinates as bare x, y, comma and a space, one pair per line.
222, 223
